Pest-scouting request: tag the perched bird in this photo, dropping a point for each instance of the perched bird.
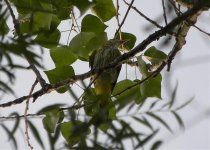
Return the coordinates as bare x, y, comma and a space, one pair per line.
104, 82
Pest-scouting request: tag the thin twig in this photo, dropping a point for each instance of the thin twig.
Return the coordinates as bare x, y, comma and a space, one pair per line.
118, 21
7, 118
144, 16
15, 22
164, 12
72, 27
201, 30
178, 12
145, 112
74, 19
41, 114
25, 115
126, 14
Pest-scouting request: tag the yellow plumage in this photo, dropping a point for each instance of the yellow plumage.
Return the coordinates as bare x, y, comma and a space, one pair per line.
105, 82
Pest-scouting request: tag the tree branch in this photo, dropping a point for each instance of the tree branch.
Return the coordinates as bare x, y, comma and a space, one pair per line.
181, 35
126, 14
144, 16
117, 61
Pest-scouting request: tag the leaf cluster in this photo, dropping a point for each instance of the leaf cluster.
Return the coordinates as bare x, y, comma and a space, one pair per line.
37, 25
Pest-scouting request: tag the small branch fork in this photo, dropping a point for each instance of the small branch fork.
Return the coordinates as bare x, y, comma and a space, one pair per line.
184, 18
25, 115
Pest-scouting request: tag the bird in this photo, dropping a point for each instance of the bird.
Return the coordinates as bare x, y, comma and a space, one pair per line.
105, 82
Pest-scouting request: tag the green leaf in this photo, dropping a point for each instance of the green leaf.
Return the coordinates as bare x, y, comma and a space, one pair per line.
130, 107
17, 121
90, 101
148, 138
54, 23
178, 118
112, 113
104, 127
52, 118
26, 26
3, 26
93, 106
142, 67
26, 6
79, 43
75, 131
86, 42
9, 133
49, 108
30, 21
92, 23
97, 41
153, 104
48, 39
156, 145
159, 120
46, 18
62, 8
36, 133
151, 87
60, 74
4, 87
129, 38
104, 9
83, 5
127, 96
184, 104
62, 56
173, 96
154, 55
143, 121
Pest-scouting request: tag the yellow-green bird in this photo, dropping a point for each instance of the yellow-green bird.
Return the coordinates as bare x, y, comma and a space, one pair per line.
104, 83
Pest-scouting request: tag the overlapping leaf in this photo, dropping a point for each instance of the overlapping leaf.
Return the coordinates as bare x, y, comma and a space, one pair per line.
60, 74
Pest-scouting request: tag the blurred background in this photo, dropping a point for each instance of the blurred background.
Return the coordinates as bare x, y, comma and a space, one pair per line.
190, 72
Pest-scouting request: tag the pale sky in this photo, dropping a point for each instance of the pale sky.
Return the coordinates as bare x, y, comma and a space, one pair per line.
191, 69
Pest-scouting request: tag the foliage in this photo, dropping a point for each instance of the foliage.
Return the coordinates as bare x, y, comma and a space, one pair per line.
36, 30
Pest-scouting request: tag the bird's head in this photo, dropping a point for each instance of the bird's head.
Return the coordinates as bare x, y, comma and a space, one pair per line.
114, 43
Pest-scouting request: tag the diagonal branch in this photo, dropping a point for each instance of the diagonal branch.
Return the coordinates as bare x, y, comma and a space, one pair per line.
117, 61
144, 16
126, 14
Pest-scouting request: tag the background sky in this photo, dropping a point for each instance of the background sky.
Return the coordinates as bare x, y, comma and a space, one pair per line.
191, 69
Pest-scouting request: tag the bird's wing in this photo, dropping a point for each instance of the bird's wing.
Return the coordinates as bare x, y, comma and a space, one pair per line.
92, 58
116, 53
